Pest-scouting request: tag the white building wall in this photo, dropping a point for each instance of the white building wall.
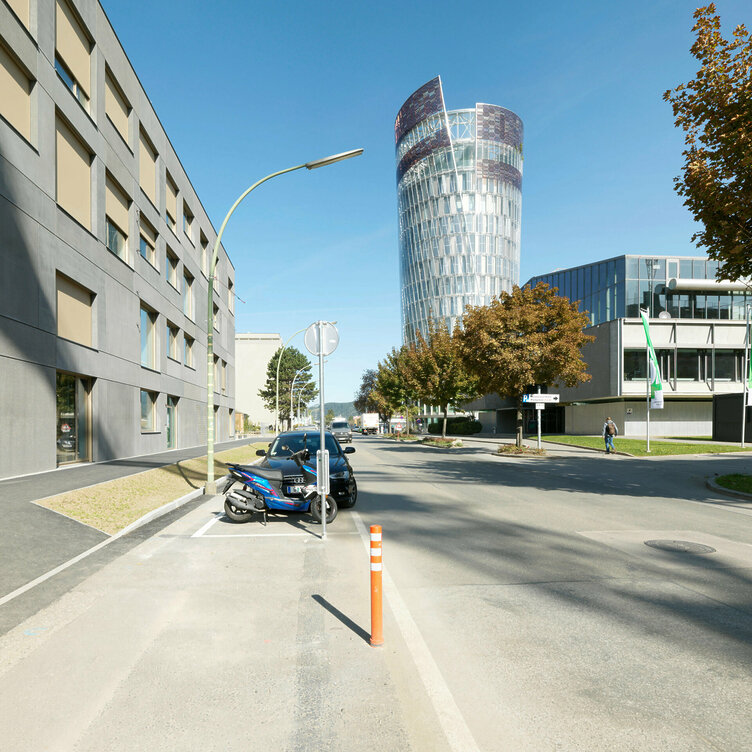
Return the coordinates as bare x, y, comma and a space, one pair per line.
252, 355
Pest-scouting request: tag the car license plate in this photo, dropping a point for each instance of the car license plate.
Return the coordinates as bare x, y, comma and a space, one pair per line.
294, 490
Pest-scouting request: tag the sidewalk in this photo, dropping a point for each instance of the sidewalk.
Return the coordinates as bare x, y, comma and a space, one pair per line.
35, 540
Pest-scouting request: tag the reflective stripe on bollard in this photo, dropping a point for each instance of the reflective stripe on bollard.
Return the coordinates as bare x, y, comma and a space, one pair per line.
377, 624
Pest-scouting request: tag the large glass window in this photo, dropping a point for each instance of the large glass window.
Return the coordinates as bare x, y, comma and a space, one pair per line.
73, 174
116, 106
635, 365
188, 295
726, 365
148, 413
148, 339
117, 206
688, 365
15, 94
73, 436
147, 166
72, 53
172, 334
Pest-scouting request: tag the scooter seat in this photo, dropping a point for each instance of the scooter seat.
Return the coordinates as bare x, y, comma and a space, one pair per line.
268, 473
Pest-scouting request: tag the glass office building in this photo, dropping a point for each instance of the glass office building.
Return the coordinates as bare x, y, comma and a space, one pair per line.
682, 287
459, 180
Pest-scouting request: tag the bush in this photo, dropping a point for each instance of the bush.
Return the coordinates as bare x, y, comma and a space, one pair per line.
458, 425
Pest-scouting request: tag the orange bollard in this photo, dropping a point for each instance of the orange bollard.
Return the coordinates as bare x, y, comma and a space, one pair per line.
377, 622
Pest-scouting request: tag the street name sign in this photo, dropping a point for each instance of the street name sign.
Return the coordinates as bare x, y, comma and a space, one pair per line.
540, 398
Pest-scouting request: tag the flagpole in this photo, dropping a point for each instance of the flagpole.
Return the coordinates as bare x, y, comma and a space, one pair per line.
746, 376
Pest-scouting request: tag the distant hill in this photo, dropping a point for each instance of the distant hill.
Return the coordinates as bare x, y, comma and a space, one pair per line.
341, 410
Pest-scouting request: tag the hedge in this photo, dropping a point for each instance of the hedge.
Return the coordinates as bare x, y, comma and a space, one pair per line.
458, 426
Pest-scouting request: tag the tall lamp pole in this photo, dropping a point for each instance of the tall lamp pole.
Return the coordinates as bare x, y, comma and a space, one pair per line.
210, 488
292, 387
279, 361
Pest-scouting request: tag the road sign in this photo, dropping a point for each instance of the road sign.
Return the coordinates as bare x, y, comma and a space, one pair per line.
540, 398
322, 342
539, 405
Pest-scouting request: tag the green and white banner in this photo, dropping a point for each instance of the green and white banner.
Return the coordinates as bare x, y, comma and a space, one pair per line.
656, 385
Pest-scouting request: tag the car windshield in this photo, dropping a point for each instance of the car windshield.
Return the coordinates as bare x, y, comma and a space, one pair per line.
340, 424
284, 446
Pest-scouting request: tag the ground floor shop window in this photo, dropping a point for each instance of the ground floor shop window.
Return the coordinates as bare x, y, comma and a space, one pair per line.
73, 418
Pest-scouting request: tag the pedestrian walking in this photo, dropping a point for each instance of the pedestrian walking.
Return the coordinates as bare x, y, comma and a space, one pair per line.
609, 431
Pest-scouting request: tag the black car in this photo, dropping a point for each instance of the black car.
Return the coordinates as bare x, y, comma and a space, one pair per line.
342, 485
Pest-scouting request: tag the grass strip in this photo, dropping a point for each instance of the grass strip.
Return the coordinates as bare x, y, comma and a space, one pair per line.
735, 482
115, 504
636, 447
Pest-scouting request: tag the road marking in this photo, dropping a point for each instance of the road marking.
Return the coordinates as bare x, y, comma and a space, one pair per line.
270, 535
205, 527
453, 725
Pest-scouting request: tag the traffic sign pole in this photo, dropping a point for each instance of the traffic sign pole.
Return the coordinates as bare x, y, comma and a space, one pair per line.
539, 422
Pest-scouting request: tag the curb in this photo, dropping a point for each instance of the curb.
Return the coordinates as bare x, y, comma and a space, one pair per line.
589, 448
713, 486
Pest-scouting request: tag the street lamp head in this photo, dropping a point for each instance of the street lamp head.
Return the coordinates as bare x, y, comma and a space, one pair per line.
334, 158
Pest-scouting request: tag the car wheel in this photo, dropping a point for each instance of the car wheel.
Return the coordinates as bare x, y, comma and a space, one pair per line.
350, 502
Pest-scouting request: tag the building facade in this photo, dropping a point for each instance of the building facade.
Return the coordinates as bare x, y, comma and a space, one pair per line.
459, 187
252, 355
105, 248
697, 325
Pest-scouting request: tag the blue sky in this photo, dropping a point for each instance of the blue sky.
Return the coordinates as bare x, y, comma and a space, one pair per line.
245, 89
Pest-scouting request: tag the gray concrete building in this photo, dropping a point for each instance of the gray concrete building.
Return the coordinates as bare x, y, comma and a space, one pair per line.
104, 251
253, 352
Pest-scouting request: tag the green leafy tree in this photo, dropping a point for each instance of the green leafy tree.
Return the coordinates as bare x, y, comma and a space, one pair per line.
436, 371
394, 387
365, 400
715, 111
292, 361
329, 417
526, 337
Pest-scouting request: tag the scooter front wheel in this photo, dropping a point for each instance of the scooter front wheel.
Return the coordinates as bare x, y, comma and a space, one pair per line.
331, 509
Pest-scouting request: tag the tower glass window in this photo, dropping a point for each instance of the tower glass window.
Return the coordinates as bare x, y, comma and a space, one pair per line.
459, 180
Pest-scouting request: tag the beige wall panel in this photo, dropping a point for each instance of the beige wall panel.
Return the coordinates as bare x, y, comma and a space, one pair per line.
148, 232
147, 160
73, 45
15, 95
172, 199
73, 312
116, 107
117, 206
73, 175
21, 9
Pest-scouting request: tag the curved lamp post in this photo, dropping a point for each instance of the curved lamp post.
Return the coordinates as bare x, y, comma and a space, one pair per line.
279, 361
292, 388
210, 489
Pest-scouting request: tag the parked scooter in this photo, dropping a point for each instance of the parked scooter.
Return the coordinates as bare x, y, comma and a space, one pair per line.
264, 491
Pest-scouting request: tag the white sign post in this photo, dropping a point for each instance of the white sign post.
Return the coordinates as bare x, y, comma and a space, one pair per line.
540, 401
322, 338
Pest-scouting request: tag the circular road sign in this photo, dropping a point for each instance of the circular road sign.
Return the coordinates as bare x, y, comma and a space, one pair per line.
329, 342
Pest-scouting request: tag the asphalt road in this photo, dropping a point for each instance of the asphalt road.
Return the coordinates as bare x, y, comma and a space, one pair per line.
524, 611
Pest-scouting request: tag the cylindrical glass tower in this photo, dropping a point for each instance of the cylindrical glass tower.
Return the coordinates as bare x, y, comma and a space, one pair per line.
459, 180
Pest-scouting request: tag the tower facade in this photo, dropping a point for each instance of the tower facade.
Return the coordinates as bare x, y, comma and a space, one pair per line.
459, 187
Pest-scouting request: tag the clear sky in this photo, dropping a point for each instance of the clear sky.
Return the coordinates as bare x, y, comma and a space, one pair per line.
244, 89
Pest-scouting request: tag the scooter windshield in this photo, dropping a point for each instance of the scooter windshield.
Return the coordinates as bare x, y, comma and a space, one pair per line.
284, 446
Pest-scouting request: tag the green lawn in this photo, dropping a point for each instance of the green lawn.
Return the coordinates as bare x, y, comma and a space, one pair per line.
637, 446
113, 505
736, 482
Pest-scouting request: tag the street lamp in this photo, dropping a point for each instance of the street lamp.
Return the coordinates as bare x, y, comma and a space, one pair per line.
292, 387
279, 361
210, 489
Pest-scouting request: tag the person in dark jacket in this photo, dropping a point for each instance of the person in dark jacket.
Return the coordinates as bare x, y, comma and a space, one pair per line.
609, 431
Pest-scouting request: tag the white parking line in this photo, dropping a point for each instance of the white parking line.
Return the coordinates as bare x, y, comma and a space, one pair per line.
205, 527
456, 730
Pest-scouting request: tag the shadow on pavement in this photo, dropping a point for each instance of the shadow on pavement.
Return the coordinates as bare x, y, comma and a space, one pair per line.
346, 620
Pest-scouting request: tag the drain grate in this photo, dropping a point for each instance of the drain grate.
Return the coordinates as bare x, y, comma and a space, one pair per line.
680, 547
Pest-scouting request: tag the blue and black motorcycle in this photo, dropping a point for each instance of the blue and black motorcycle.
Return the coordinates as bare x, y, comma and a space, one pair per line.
265, 490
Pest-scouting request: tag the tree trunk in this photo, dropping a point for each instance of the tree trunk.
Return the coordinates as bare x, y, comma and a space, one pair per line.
519, 422
443, 428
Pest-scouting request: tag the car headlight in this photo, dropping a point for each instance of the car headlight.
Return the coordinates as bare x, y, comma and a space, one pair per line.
339, 476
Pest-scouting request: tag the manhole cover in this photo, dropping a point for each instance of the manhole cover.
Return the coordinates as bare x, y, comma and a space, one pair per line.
680, 547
